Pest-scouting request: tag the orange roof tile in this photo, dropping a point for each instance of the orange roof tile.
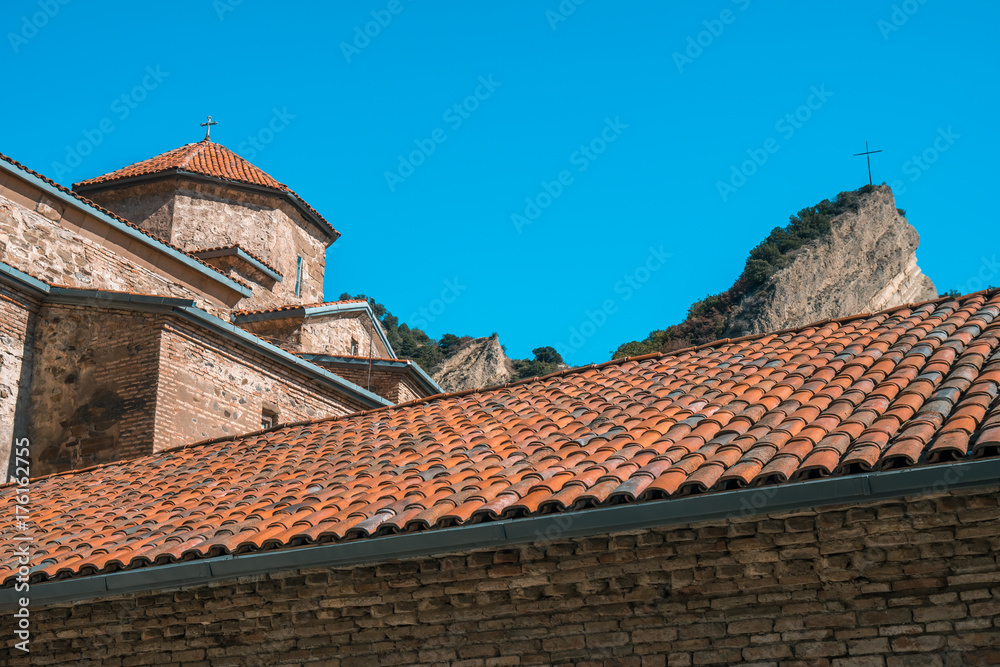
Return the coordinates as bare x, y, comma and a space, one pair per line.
767, 409
205, 158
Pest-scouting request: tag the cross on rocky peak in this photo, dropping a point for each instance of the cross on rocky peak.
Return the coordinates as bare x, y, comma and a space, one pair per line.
868, 155
208, 127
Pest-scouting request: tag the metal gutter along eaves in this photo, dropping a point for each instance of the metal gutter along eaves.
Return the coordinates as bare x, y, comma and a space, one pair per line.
750, 502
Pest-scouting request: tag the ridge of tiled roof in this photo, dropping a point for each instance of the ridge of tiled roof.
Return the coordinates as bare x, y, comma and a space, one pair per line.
110, 214
300, 306
205, 158
912, 385
235, 246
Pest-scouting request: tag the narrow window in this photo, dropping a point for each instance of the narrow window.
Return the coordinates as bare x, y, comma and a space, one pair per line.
268, 418
354, 347
298, 275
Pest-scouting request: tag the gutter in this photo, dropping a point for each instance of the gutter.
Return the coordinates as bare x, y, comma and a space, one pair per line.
755, 501
425, 380
234, 333
133, 234
187, 310
315, 311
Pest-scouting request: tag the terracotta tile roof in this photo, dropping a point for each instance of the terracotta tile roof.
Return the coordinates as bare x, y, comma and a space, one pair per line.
282, 309
205, 158
910, 386
117, 217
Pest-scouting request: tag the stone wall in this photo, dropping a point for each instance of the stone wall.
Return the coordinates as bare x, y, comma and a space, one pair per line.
94, 387
210, 388
331, 334
887, 584
148, 205
321, 334
207, 216
36, 239
197, 216
17, 324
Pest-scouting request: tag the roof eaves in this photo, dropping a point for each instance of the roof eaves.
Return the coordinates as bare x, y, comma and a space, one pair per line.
756, 501
236, 333
161, 174
189, 310
237, 251
316, 311
425, 380
91, 208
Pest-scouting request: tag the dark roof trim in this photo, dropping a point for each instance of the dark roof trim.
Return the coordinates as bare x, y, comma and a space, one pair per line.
290, 197
245, 256
503, 534
131, 233
316, 311
186, 309
425, 380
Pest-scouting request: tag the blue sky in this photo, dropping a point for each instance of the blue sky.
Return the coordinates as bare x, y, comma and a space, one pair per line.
582, 193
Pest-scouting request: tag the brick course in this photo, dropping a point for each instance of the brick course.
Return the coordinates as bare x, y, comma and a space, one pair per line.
685, 595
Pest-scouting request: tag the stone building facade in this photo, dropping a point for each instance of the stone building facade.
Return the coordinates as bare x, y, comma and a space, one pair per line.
120, 335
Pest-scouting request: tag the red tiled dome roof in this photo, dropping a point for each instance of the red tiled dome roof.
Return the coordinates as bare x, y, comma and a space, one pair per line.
204, 158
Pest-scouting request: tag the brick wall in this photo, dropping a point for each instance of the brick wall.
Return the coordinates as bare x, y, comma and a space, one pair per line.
94, 386
887, 584
393, 384
17, 323
209, 388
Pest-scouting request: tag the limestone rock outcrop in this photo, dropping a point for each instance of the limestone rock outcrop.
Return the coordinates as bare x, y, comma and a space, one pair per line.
481, 362
865, 264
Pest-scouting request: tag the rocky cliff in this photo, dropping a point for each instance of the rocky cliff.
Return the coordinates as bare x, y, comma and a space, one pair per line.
866, 263
853, 254
481, 362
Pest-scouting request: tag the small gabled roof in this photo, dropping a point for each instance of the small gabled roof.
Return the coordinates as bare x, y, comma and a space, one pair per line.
909, 387
205, 159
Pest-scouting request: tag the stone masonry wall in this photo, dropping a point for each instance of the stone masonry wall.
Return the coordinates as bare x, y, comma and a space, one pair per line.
36, 242
94, 387
17, 324
332, 334
886, 584
149, 205
207, 216
209, 388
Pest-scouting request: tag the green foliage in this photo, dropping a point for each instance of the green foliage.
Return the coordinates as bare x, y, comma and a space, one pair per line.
547, 355
546, 361
415, 344
706, 319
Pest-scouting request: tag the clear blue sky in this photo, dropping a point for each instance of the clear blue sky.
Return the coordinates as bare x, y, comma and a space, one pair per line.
914, 78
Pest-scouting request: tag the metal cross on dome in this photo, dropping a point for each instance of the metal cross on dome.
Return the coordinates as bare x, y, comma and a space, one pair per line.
208, 127
868, 155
